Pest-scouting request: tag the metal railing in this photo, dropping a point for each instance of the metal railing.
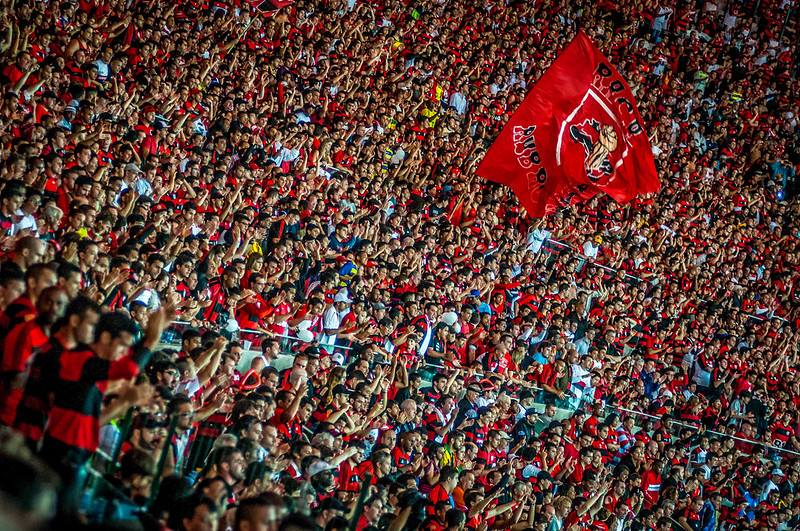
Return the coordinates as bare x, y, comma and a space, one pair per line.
555, 247
565, 410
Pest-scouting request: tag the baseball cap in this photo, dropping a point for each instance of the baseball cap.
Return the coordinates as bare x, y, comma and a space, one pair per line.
486, 385
341, 390
342, 297
530, 471
318, 467
525, 394
544, 475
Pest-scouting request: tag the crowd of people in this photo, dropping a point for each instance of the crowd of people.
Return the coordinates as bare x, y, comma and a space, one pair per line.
301, 183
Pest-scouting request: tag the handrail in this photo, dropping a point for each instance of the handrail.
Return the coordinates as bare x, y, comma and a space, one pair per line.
694, 426
262, 333
568, 246
579, 400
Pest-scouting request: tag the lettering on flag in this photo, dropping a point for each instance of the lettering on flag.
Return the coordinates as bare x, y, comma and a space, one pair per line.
577, 133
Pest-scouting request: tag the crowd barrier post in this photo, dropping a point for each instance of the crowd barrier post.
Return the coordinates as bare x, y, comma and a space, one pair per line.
362, 497
162, 459
124, 429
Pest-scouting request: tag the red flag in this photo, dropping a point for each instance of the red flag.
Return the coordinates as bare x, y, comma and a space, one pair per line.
269, 7
577, 133
129, 33
457, 213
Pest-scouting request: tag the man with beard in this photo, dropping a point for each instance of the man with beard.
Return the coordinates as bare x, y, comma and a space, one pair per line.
320, 474
184, 409
21, 343
231, 466
146, 435
74, 329
164, 373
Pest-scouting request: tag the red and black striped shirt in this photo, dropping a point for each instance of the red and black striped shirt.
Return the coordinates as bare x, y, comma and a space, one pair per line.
82, 379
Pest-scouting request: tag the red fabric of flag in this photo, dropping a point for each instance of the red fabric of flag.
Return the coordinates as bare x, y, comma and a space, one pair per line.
269, 6
576, 134
457, 213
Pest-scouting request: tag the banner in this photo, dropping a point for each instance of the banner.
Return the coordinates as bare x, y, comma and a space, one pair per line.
576, 134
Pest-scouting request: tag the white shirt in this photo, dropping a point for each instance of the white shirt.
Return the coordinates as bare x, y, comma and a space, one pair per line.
459, 102
330, 321
27, 222
286, 155
426, 341
580, 375
590, 249
102, 71
536, 239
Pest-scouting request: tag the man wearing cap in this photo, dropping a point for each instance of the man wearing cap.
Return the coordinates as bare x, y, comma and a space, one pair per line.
338, 406
524, 429
328, 509
130, 176
332, 318
775, 478
320, 474
468, 406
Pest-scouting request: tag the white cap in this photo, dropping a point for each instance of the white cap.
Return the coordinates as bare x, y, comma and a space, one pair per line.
530, 471
342, 297
449, 318
318, 467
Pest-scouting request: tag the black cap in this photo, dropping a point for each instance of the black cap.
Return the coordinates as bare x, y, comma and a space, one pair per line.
341, 390
331, 504
525, 394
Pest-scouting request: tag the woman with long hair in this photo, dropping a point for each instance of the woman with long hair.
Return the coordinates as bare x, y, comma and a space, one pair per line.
336, 377
254, 264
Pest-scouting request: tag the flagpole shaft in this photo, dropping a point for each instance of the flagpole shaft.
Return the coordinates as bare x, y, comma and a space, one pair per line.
362, 497
462, 198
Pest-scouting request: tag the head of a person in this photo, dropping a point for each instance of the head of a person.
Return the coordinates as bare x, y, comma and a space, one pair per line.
257, 513
114, 335
51, 305
200, 513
